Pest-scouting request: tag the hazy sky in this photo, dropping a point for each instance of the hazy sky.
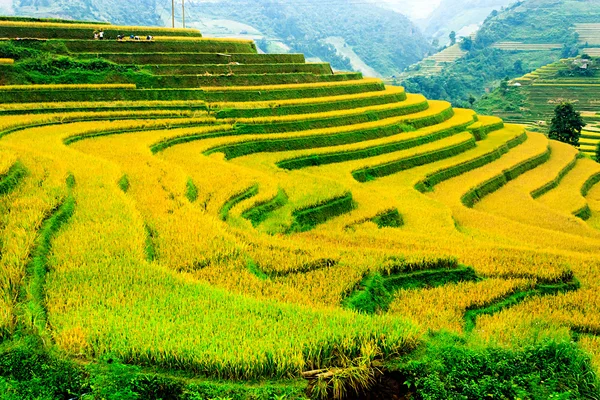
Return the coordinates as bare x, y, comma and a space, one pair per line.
416, 9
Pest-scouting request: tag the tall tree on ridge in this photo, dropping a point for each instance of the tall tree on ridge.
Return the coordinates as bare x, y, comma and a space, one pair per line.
566, 124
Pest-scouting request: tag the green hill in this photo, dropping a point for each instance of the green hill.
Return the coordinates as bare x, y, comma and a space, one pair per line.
531, 99
519, 39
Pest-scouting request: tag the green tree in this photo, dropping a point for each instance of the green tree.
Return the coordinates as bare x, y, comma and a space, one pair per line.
566, 124
452, 37
598, 152
518, 67
466, 44
472, 100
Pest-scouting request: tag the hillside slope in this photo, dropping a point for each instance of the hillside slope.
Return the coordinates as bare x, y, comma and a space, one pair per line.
186, 218
531, 99
519, 39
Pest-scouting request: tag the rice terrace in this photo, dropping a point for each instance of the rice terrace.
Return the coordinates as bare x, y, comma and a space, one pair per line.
184, 217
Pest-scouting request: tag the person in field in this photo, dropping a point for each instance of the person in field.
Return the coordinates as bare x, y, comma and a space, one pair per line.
101, 35
95, 35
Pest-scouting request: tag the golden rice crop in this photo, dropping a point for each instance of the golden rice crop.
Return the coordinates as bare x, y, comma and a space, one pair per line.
291, 86
99, 105
199, 39
309, 100
410, 101
90, 26
567, 196
444, 307
155, 276
503, 202
6, 61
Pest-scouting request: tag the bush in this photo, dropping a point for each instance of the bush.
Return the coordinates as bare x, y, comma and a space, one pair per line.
450, 371
29, 373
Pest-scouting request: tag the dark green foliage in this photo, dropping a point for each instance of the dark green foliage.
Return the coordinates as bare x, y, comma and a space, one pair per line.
260, 212
597, 155
246, 391
58, 64
188, 46
452, 37
239, 69
70, 181
28, 372
191, 191
375, 292
390, 219
471, 75
124, 183
449, 370
386, 41
11, 179
195, 58
255, 270
307, 218
38, 266
512, 100
566, 125
482, 132
149, 247
466, 44
371, 173
238, 198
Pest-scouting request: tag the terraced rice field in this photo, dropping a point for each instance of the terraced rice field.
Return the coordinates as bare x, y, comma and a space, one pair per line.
519, 46
588, 33
232, 229
435, 63
552, 84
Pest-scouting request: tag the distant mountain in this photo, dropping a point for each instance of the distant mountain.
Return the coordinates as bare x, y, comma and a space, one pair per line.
464, 17
350, 35
516, 40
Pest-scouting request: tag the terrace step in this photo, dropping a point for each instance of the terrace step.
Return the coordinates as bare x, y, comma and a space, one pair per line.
515, 201
202, 81
569, 196
64, 107
238, 69
412, 105
291, 91
49, 30
276, 108
258, 143
378, 147
193, 58
472, 186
